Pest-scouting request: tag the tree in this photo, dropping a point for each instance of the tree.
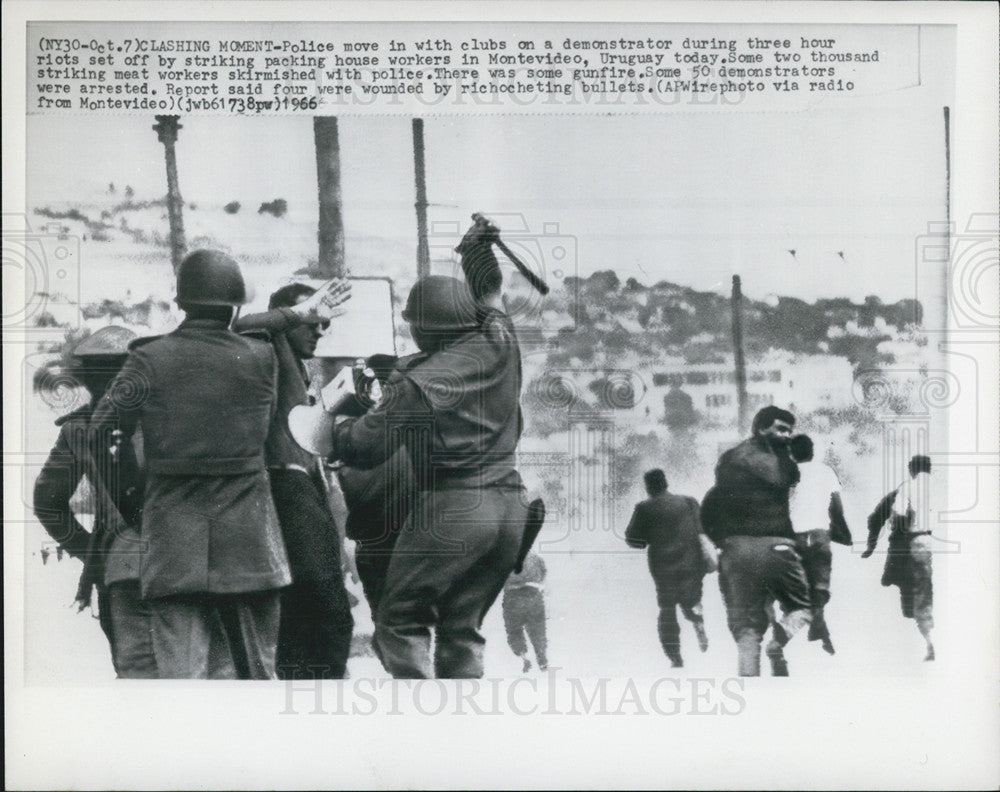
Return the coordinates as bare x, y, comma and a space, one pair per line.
331, 222
678, 408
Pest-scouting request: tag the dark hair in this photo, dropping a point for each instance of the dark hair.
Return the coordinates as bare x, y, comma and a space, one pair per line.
289, 295
222, 313
656, 481
801, 448
766, 416
920, 464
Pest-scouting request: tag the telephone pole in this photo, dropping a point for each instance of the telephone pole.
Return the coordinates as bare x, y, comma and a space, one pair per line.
331, 221
166, 128
423, 252
741, 366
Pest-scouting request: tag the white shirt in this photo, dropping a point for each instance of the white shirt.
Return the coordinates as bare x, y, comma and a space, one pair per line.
809, 501
911, 496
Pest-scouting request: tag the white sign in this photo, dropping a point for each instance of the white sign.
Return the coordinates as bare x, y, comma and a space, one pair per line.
366, 327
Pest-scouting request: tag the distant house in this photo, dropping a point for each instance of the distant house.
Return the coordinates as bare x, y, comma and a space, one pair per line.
803, 382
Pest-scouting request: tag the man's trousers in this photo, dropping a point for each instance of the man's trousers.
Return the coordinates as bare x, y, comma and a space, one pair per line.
453, 555
216, 636
672, 593
817, 560
753, 572
314, 638
129, 630
524, 614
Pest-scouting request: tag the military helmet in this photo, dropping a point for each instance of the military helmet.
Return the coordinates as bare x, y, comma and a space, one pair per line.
209, 277
438, 303
111, 341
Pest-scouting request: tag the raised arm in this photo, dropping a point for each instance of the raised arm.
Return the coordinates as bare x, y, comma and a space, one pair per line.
322, 306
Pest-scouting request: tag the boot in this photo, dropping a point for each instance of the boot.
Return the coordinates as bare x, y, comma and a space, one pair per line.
699, 629
776, 654
925, 631
748, 651
776, 651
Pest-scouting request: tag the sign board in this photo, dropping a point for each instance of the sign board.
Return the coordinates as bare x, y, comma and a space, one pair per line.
366, 327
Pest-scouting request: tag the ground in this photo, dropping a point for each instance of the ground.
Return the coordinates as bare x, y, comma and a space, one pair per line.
601, 622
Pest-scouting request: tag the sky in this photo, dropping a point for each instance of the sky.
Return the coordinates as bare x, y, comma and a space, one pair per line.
689, 198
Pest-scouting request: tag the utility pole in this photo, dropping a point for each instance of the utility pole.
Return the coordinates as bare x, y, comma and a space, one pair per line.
423, 252
947, 169
331, 221
741, 366
166, 128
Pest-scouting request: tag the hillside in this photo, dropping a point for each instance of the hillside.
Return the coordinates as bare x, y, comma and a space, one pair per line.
594, 347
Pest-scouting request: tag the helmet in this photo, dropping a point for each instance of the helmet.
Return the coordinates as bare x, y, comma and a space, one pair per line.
209, 277
438, 303
111, 341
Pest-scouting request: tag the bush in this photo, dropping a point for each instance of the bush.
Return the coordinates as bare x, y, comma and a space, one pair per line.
278, 207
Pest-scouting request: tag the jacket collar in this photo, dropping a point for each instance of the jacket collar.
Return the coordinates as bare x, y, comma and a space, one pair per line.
203, 324
81, 413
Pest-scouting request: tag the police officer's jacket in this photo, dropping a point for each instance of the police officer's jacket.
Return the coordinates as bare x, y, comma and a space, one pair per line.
122, 480
204, 397
457, 411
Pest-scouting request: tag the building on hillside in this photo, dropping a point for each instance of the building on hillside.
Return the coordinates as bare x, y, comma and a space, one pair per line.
801, 383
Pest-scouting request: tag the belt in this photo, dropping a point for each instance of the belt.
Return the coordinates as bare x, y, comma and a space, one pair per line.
526, 587
290, 466
809, 538
206, 466
480, 479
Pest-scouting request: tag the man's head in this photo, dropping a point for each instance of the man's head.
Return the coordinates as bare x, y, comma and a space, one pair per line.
439, 309
210, 286
99, 357
919, 464
303, 338
655, 481
774, 425
801, 448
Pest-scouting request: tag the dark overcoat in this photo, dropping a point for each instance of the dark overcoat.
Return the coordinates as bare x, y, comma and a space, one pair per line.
669, 525
204, 398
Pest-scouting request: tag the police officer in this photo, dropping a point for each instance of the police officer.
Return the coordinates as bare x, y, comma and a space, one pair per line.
456, 409
110, 553
214, 559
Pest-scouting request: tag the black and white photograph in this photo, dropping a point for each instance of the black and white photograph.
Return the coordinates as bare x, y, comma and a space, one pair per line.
613, 370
